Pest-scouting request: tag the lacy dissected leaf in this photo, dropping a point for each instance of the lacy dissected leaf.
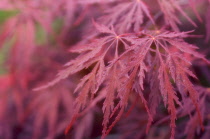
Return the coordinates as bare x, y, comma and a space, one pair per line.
119, 65
100, 73
20, 31
127, 16
92, 53
170, 9
47, 113
168, 60
178, 66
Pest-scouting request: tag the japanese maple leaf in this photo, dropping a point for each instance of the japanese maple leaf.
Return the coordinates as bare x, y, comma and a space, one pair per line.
127, 16
47, 111
164, 60
170, 9
21, 30
143, 53
95, 54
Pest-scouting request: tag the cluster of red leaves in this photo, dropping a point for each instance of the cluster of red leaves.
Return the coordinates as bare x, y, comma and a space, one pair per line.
133, 50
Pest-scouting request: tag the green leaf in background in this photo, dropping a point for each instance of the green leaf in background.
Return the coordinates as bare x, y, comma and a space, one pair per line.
41, 36
57, 25
4, 53
4, 15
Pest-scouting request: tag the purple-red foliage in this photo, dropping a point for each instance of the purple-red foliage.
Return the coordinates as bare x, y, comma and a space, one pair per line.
132, 62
